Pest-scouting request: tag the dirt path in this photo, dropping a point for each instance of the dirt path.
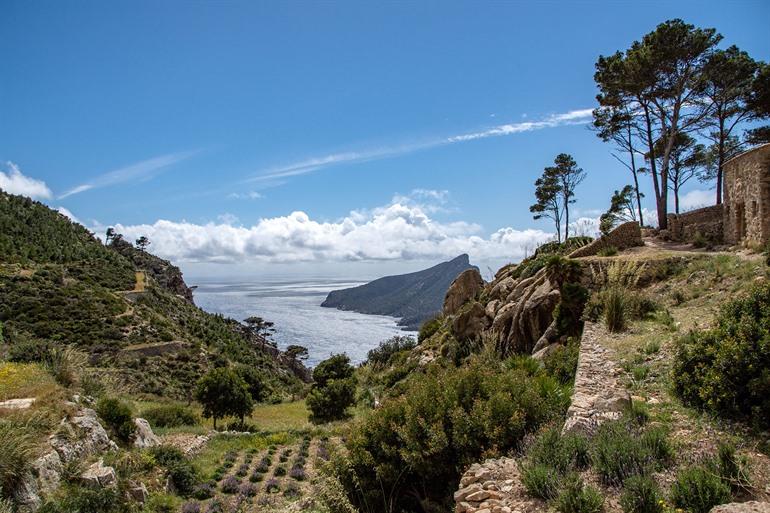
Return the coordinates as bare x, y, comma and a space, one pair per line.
139, 285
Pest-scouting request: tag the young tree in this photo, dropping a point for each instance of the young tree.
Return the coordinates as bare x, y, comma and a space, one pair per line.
333, 389
261, 329
728, 78
548, 200
618, 125
142, 243
621, 209
222, 392
255, 380
569, 176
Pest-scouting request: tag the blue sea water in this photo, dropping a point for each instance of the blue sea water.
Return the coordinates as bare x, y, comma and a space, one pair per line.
295, 308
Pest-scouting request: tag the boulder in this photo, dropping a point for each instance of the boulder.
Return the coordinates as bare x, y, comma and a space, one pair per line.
467, 286
144, 437
470, 322
742, 507
17, 404
99, 475
81, 436
138, 492
26, 494
48, 469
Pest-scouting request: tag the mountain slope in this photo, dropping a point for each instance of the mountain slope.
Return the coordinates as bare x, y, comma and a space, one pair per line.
414, 297
60, 285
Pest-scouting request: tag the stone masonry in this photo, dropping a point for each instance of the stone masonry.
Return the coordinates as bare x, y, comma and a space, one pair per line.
747, 197
706, 222
626, 235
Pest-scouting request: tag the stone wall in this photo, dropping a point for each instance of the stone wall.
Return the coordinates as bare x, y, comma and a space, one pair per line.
597, 396
704, 221
627, 235
747, 197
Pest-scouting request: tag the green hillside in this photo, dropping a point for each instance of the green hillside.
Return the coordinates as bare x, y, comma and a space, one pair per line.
59, 285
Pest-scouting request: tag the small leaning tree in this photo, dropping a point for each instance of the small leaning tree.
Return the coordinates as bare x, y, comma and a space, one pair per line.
555, 192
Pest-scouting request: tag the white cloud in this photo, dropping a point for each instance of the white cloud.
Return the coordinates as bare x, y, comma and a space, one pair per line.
696, 198
573, 117
246, 195
66, 213
139, 171
14, 182
396, 231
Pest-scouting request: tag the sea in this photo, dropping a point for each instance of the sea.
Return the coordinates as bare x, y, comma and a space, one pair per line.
295, 308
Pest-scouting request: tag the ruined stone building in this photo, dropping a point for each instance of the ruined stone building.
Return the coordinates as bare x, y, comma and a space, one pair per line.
744, 216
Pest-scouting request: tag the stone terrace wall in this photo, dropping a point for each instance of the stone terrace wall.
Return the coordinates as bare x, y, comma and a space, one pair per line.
704, 221
598, 396
627, 235
747, 196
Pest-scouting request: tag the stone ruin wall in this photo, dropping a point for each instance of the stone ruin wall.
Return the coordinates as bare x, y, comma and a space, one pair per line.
704, 221
747, 197
626, 235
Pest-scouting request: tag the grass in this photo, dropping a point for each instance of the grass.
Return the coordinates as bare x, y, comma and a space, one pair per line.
20, 380
291, 416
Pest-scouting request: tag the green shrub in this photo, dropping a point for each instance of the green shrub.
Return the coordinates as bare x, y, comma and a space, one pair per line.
333, 391
638, 413
562, 362
540, 480
166, 455
615, 310
429, 328
697, 490
641, 494
170, 415
118, 417
381, 355
577, 497
726, 370
733, 470
445, 420
699, 241
619, 451
183, 476
161, 503
87, 500
562, 453
569, 311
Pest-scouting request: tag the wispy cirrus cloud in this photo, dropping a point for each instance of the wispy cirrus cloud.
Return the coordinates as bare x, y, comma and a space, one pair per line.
139, 171
573, 117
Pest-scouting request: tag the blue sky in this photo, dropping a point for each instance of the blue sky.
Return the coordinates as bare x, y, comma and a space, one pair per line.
232, 115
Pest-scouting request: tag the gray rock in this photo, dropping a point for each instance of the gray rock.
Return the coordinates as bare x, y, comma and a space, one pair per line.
138, 493
81, 436
144, 437
17, 404
26, 495
98, 475
48, 469
466, 287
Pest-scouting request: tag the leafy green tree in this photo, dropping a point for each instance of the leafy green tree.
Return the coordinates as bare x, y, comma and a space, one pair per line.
659, 81
621, 209
142, 243
569, 176
548, 200
333, 389
223, 392
256, 382
728, 78
759, 102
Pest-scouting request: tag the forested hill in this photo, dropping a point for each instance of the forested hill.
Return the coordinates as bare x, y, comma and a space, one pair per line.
60, 286
414, 297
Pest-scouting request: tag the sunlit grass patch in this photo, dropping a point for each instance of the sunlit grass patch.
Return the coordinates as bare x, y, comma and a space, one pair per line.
211, 457
19, 380
281, 417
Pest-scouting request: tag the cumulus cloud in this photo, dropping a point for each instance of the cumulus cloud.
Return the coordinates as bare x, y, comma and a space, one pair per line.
697, 198
396, 231
15, 182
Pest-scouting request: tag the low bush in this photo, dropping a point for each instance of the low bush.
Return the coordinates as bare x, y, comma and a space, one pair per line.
540, 480
248, 490
118, 417
291, 491
615, 310
203, 491
445, 420
733, 469
183, 476
697, 489
272, 486
87, 500
619, 451
562, 362
165, 455
17, 451
161, 503
726, 370
607, 251
170, 415
577, 497
191, 507
297, 472
231, 484
279, 471
641, 494
429, 328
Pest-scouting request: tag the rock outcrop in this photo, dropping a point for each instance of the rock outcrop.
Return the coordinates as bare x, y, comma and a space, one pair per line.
99, 476
743, 507
144, 437
494, 487
466, 287
627, 235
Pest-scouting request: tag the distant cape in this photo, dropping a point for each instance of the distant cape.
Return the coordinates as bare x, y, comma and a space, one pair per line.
413, 297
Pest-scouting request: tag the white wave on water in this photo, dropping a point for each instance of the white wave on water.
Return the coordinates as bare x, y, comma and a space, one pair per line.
295, 308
